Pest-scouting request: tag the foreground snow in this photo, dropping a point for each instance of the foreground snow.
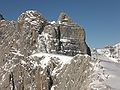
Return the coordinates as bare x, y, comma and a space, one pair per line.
106, 73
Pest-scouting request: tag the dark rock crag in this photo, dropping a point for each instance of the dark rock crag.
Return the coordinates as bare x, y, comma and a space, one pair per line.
32, 34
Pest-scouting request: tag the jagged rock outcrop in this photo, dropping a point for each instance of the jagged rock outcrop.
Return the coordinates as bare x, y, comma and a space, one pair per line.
64, 37
31, 19
30, 24
64, 19
72, 36
20, 40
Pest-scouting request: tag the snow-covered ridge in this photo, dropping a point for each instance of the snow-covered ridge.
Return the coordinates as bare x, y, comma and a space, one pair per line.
62, 59
112, 52
118, 44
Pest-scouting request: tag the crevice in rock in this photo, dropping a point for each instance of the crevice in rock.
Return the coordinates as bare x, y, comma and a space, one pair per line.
49, 78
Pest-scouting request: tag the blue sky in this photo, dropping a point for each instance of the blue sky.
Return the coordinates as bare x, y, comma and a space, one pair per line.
100, 18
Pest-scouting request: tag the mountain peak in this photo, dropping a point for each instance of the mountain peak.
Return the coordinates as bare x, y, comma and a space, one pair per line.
64, 18
33, 18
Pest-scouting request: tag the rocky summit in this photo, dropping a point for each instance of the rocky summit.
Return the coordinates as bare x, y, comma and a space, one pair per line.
36, 54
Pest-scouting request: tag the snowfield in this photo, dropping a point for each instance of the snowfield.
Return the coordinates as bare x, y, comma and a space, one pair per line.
106, 72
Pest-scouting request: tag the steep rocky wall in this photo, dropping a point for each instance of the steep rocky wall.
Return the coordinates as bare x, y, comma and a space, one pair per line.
63, 37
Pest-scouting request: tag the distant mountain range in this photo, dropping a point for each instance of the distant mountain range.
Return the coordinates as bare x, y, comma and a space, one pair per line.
106, 68
111, 51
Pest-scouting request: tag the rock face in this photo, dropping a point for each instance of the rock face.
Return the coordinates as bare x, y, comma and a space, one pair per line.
74, 76
31, 19
64, 37
30, 50
72, 36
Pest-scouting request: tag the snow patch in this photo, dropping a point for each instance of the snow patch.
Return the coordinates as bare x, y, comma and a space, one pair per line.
64, 40
23, 62
53, 22
17, 53
47, 57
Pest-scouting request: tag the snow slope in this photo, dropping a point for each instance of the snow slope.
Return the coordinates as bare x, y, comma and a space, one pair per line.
112, 52
106, 73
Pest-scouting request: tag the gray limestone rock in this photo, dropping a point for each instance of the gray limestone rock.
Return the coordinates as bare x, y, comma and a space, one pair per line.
72, 37
65, 38
74, 76
32, 19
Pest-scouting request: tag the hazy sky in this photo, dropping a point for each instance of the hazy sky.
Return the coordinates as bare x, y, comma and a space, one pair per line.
100, 18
